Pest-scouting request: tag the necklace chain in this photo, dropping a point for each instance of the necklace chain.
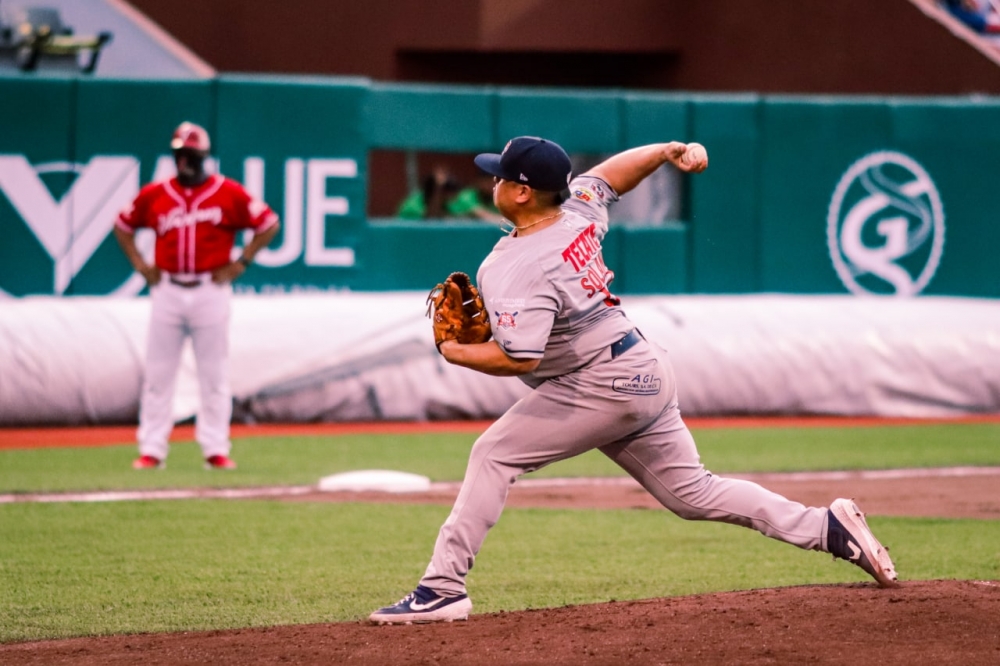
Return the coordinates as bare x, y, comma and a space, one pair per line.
528, 226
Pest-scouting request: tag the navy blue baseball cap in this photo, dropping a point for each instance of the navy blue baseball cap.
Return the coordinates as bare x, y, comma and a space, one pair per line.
538, 163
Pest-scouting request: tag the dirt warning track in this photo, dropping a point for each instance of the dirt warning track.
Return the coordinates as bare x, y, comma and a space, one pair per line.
70, 436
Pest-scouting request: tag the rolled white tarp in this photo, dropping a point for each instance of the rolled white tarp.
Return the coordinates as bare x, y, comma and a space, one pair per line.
370, 356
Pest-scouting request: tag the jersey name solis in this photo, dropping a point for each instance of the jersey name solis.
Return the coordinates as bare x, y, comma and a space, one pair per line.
178, 217
597, 279
638, 385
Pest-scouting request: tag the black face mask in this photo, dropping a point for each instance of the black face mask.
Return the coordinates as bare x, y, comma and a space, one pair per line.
190, 167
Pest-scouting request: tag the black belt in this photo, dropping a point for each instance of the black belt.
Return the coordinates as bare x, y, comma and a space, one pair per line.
626, 343
187, 284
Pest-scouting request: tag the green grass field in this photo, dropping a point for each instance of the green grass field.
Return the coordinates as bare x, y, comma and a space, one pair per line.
71, 569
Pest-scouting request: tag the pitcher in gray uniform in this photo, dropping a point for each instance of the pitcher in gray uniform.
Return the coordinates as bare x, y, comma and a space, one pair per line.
598, 383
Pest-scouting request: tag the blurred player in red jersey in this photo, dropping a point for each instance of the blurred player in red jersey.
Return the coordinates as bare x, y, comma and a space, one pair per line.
196, 216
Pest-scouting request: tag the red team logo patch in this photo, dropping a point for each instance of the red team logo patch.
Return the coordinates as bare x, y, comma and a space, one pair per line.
583, 193
506, 319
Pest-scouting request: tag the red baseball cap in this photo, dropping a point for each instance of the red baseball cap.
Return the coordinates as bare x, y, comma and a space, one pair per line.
191, 136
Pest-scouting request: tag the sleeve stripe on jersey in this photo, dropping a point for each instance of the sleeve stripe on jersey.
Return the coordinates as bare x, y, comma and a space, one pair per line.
270, 220
523, 353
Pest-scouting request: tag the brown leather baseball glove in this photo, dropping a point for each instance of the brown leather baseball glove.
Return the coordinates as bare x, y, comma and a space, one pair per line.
457, 311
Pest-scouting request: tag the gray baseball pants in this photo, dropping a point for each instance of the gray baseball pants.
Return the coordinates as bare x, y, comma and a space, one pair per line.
640, 430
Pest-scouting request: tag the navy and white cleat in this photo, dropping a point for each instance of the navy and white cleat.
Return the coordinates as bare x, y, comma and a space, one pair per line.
849, 538
424, 605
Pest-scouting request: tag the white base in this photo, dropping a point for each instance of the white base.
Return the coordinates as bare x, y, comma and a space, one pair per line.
375, 479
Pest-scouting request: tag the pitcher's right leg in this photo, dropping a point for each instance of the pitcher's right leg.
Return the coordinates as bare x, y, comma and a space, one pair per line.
543, 427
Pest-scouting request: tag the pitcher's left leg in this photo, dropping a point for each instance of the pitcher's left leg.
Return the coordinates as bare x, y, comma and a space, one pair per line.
667, 464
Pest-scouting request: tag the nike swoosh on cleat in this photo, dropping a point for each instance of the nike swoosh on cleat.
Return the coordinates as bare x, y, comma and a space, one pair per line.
429, 605
855, 551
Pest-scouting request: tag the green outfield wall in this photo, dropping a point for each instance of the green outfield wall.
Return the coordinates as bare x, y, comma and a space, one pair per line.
805, 195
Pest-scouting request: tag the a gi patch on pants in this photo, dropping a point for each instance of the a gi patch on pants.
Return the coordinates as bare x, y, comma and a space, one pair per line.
637, 385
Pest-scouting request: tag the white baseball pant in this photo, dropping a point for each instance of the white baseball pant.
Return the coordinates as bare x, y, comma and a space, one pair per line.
201, 313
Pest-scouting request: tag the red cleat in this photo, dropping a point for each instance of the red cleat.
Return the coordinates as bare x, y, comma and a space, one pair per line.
220, 462
148, 462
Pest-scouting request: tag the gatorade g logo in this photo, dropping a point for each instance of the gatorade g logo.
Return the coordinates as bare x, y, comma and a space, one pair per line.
70, 210
885, 226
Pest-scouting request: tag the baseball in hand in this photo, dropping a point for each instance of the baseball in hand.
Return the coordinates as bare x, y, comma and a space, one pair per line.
695, 158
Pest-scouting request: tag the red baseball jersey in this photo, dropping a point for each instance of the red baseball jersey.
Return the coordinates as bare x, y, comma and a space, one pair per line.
195, 226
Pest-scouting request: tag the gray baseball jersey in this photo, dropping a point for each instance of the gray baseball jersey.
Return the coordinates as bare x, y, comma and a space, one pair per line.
548, 293
549, 297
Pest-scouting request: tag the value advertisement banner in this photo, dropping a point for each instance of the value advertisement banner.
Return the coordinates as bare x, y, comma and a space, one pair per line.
803, 195
77, 152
